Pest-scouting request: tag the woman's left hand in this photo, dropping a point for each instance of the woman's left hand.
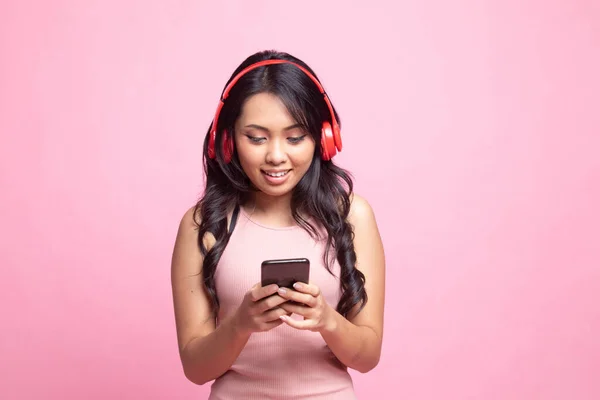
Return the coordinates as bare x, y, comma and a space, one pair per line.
318, 314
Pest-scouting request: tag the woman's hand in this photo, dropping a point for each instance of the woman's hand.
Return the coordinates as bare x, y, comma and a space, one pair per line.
318, 315
259, 311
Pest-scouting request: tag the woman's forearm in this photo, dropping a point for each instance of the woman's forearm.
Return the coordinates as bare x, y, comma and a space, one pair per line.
357, 347
206, 358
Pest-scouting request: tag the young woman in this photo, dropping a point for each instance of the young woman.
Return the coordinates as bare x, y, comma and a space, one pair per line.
273, 192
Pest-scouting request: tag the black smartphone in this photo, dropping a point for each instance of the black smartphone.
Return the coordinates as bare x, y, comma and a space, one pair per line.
285, 272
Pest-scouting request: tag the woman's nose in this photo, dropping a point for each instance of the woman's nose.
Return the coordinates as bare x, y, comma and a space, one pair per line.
276, 152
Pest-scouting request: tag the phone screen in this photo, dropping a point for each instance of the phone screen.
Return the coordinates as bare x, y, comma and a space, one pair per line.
285, 272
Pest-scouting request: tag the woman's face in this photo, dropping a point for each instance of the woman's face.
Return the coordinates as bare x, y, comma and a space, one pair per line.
274, 151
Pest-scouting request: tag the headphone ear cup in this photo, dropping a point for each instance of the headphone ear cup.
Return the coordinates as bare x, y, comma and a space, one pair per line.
327, 142
227, 147
337, 137
211, 144
324, 154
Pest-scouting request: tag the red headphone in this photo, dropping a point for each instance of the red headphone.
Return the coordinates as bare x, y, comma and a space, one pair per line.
331, 139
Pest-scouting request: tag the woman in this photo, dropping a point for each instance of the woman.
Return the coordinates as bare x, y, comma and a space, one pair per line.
273, 192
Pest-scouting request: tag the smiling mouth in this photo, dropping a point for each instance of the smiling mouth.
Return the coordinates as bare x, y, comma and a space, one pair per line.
276, 174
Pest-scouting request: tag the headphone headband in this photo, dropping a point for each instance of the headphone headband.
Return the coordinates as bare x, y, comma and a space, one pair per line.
261, 64
269, 62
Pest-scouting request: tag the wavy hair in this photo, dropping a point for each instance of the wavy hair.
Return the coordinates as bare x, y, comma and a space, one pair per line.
322, 195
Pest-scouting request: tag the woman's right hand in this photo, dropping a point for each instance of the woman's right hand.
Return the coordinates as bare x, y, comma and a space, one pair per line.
259, 310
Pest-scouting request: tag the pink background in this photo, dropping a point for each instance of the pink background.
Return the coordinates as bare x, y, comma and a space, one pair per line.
472, 127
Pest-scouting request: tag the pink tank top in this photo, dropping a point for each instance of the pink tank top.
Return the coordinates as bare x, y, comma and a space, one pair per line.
283, 363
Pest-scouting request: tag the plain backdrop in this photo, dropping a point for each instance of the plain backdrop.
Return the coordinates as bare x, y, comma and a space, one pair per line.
472, 128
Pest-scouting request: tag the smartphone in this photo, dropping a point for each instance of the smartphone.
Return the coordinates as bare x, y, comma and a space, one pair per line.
285, 272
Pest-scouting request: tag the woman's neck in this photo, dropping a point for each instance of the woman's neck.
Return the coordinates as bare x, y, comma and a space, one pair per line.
271, 210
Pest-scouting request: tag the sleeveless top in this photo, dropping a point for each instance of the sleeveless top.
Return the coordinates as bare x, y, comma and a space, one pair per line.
284, 362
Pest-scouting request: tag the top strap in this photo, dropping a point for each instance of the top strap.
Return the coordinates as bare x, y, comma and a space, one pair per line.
234, 217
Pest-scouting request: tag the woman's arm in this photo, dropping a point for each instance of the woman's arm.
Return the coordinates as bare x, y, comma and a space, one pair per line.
205, 352
355, 341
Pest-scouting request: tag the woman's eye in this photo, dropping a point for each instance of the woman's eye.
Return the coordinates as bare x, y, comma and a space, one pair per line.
255, 139
294, 140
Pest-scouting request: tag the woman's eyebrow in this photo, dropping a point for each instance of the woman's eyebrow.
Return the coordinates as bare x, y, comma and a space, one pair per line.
262, 128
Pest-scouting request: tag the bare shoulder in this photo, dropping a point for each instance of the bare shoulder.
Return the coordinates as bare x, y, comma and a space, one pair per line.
188, 229
191, 218
187, 258
361, 212
367, 238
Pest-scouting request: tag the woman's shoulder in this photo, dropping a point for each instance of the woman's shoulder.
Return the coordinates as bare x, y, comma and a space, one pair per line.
361, 212
190, 223
191, 220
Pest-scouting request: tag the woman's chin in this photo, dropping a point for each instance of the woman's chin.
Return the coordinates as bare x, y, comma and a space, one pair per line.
275, 191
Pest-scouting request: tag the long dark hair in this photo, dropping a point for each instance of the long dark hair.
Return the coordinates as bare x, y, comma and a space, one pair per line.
323, 195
